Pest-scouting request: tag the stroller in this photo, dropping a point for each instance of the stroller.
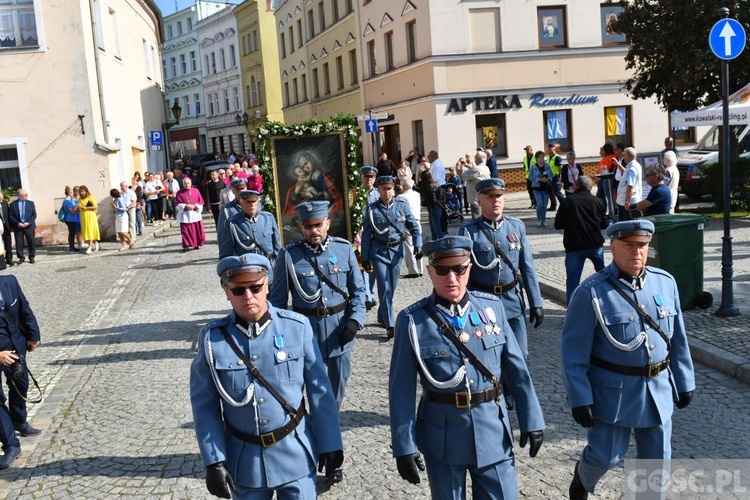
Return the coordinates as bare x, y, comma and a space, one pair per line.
452, 204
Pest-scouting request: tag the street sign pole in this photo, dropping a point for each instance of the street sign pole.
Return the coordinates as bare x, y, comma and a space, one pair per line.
727, 307
372, 136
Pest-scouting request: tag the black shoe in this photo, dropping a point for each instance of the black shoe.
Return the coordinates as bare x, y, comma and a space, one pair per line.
370, 304
533, 205
10, 455
31, 260
10, 264
389, 332
551, 209
337, 477
576, 490
21, 261
27, 430
409, 276
381, 322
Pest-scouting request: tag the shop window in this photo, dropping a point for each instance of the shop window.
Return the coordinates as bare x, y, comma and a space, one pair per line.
609, 14
552, 28
558, 129
492, 133
618, 124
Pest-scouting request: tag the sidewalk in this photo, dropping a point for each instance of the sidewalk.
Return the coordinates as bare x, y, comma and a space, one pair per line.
719, 342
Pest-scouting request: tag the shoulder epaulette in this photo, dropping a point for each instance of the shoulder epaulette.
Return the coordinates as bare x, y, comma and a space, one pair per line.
340, 240
417, 305
286, 313
514, 219
484, 295
293, 244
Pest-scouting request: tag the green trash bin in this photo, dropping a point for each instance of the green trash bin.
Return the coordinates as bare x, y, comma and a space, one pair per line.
677, 247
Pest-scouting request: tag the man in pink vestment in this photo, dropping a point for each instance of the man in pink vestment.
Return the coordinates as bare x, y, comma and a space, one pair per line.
189, 205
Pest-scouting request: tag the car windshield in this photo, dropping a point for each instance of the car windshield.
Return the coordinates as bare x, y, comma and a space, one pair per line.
712, 140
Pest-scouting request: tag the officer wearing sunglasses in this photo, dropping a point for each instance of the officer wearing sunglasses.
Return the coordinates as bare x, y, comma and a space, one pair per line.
460, 344
253, 432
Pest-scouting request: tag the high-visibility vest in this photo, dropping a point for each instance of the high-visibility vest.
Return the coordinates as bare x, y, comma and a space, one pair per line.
553, 163
527, 162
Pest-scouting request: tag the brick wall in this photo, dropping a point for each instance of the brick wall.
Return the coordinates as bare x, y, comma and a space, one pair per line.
515, 181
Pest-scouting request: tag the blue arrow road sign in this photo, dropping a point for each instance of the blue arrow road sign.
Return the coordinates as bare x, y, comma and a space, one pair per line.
727, 39
371, 126
157, 139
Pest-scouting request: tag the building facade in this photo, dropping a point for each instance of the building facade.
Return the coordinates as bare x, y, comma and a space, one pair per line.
520, 74
82, 90
319, 58
225, 130
261, 80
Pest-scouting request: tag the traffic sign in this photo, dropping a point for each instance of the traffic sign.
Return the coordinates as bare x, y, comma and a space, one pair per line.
372, 116
371, 126
157, 138
727, 39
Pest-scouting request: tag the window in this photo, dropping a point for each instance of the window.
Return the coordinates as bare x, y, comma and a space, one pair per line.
335, 9
349, 6
260, 93
617, 124
310, 24
491, 133
294, 91
291, 40
213, 63
179, 27
190, 23
232, 57
484, 30
216, 101
299, 33
388, 42
245, 45
253, 97
147, 62
169, 31
303, 84
371, 58
286, 93
237, 98
282, 45
163, 68
193, 61
210, 105
173, 66
551, 25
183, 64
223, 59
354, 78
255, 40
326, 80
226, 100
340, 72
322, 15
248, 97
558, 130
197, 100
411, 42
98, 25
316, 84
10, 171
115, 33
186, 105
684, 134
609, 14
417, 131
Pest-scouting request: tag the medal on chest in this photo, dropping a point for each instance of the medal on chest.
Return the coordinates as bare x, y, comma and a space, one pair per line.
476, 322
492, 318
660, 306
335, 268
278, 342
514, 242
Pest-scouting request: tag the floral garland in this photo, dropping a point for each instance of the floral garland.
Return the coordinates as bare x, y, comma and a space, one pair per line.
338, 123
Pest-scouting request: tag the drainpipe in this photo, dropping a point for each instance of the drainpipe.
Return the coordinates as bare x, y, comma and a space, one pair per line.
105, 146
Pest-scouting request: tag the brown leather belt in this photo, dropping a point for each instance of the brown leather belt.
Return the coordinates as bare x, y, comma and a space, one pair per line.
461, 399
495, 289
270, 438
321, 312
649, 371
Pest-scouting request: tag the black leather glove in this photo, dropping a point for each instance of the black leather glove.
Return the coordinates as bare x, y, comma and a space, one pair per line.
418, 253
331, 461
685, 399
367, 266
584, 415
348, 332
536, 316
409, 466
218, 481
535, 439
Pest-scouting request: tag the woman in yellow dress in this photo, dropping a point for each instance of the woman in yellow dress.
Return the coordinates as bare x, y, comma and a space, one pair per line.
88, 207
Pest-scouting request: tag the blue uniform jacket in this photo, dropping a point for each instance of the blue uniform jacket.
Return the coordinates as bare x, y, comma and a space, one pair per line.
227, 212
481, 435
625, 400
15, 303
237, 236
293, 456
293, 273
376, 230
512, 238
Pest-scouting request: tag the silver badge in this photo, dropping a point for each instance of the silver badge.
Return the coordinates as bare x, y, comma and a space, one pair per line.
281, 355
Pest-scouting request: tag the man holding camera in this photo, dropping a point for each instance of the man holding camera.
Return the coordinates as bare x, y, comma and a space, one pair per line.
19, 333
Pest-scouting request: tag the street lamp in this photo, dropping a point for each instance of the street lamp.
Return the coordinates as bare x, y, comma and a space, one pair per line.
241, 119
176, 113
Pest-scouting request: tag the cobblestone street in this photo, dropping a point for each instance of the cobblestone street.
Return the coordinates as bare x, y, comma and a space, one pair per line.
118, 335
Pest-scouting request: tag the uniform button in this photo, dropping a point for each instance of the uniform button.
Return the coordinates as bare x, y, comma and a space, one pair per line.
646, 327
325, 299
230, 365
652, 346
630, 318
261, 401
264, 422
255, 357
240, 362
471, 382
444, 352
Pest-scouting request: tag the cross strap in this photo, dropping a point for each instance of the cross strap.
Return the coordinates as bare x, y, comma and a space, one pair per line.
401, 234
498, 250
256, 373
322, 275
447, 330
255, 242
646, 317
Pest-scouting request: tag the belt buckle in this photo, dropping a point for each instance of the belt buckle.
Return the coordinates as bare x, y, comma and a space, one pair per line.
392, 244
463, 399
321, 312
653, 371
268, 439
498, 289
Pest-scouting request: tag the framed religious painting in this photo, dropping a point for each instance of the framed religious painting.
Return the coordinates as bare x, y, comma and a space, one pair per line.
310, 168
552, 28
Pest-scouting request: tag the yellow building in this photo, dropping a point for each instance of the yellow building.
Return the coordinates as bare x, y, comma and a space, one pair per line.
320, 72
259, 63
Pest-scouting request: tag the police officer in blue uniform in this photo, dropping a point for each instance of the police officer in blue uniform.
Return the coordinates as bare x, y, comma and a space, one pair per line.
368, 175
625, 357
322, 275
250, 230
232, 207
383, 232
246, 389
460, 345
502, 260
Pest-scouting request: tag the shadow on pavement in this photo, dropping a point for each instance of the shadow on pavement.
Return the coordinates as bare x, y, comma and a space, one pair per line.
351, 419
159, 466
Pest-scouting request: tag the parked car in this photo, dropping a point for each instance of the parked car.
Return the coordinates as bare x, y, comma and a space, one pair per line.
692, 164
